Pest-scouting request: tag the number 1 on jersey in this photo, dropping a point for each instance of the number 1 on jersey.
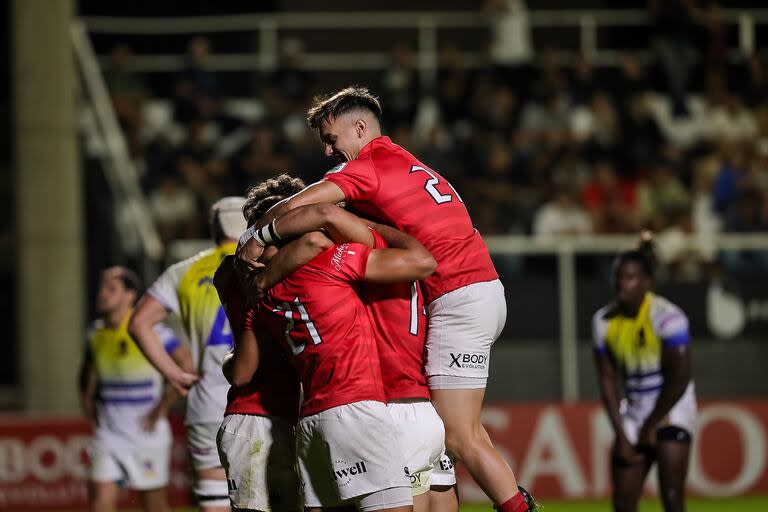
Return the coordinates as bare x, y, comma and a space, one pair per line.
429, 186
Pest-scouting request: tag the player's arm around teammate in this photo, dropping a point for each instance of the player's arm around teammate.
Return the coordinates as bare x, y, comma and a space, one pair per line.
405, 260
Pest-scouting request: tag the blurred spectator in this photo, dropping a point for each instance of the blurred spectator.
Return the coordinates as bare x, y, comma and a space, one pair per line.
563, 214
674, 26
197, 91
661, 197
263, 155
583, 82
511, 48
452, 85
174, 210
597, 126
641, 135
611, 202
400, 87
293, 83
747, 214
202, 171
730, 121
128, 93
731, 177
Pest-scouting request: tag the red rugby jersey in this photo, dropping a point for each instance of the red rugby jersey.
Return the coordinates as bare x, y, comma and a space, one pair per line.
274, 389
400, 326
389, 184
323, 325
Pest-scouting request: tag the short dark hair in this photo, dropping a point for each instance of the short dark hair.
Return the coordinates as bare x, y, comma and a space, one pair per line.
644, 255
266, 194
346, 100
128, 277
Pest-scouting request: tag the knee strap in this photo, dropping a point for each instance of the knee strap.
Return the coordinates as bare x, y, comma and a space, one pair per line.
673, 433
212, 493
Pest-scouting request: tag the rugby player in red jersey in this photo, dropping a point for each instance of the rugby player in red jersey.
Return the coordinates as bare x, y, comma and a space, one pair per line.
467, 308
348, 449
257, 438
397, 315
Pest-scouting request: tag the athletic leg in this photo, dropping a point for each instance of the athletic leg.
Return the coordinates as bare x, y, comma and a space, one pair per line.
443, 498
154, 500
673, 456
211, 490
102, 496
628, 482
467, 440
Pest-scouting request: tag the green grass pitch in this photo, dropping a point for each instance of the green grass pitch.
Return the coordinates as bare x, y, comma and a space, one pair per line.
744, 504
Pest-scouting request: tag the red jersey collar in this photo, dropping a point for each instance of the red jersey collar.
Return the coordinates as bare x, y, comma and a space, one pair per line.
369, 147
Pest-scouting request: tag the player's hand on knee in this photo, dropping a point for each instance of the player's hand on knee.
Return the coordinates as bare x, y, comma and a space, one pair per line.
625, 453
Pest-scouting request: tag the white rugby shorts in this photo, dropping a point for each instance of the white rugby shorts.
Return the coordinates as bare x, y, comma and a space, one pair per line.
444, 473
201, 441
259, 456
463, 324
348, 452
421, 434
681, 415
143, 465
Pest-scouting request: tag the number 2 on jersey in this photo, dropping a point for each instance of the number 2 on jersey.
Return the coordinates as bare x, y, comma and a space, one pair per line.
430, 186
286, 309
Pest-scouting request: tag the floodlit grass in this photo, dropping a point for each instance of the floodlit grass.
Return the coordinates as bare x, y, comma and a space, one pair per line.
745, 504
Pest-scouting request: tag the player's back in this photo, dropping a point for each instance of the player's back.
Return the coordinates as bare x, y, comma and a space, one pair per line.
324, 326
186, 288
388, 183
400, 324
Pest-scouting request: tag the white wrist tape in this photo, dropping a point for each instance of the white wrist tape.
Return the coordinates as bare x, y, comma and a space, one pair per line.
264, 235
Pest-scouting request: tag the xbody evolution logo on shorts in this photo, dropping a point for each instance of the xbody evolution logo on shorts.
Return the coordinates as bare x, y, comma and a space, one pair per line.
345, 474
468, 360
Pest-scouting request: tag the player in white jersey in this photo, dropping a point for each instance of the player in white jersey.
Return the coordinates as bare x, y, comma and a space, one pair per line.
122, 395
186, 289
642, 340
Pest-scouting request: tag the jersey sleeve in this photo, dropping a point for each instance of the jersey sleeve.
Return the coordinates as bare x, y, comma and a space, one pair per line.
378, 241
164, 289
599, 328
671, 326
167, 337
356, 178
347, 262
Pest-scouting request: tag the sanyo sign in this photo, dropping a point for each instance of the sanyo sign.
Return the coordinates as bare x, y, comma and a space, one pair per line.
44, 458
552, 465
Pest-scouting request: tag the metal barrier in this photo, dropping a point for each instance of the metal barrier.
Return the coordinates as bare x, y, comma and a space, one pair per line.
426, 24
133, 217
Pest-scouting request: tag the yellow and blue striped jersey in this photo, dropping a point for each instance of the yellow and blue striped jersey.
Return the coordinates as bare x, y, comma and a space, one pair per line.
187, 290
636, 343
128, 385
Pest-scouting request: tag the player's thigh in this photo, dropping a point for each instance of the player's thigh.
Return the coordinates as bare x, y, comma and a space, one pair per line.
627, 480
203, 452
421, 435
258, 454
460, 411
154, 500
349, 451
463, 324
102, 495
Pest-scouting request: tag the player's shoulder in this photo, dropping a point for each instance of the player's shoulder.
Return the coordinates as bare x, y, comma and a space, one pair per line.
94, 327
605, 313
661, 309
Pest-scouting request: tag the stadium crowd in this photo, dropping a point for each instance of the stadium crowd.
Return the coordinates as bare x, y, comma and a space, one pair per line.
534, 147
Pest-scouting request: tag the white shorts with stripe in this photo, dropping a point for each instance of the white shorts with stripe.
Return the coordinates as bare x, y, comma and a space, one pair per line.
682, 415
